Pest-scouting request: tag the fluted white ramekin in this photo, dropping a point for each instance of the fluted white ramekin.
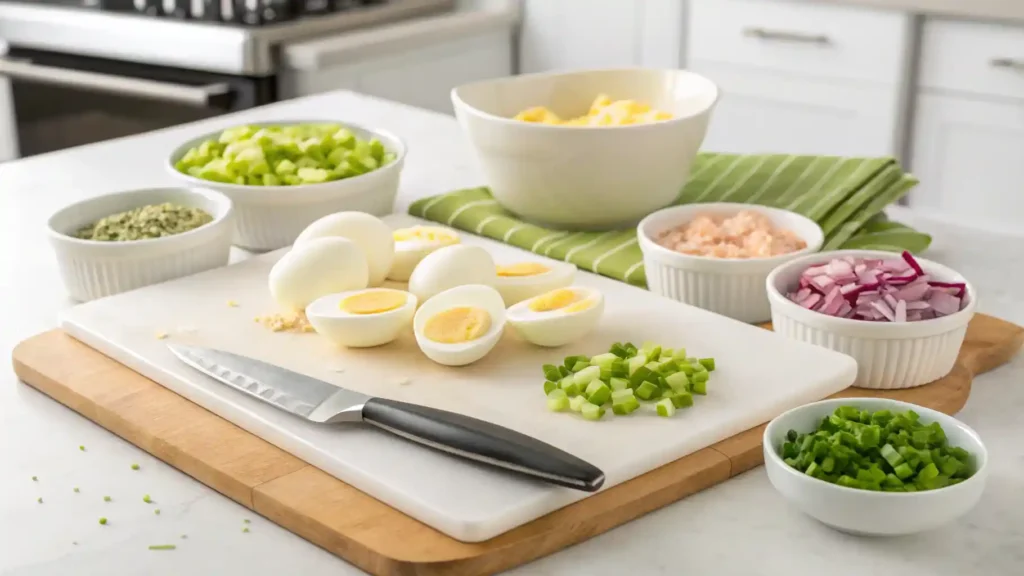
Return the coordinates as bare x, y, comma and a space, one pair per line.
271, 217
889, 355
93, 269
728, 286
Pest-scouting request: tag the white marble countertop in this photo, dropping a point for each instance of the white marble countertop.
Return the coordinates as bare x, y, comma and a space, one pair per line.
1000, 10
740, 527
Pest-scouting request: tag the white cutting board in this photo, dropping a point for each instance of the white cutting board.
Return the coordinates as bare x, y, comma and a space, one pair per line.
759, 375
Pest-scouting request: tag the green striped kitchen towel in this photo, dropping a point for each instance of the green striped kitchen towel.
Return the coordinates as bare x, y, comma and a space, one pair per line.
846, 196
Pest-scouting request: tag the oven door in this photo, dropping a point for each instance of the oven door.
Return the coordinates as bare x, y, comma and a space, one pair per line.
60, 101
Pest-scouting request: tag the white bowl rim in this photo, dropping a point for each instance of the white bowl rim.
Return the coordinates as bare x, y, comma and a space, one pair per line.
794, 309
925, 412
717, 93
199, 182
225, 203
813, 244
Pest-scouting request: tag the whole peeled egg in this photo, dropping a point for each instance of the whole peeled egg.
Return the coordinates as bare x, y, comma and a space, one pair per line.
362, 318
316, 268
449, 267
460, 325
368, 232
559, 317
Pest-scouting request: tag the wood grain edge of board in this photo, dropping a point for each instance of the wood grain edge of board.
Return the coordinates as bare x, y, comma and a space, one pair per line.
171, 428
988, 344
317, 507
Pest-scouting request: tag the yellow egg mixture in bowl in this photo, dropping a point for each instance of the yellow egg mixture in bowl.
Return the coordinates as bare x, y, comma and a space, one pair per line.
587, 150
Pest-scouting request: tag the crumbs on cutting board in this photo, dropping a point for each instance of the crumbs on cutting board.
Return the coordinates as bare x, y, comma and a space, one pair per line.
232, 304
161, 335
294, 322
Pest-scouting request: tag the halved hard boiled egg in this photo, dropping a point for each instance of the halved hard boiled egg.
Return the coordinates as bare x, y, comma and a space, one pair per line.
362, 318
524, 280
461, 325
452, 266
413, 244
558, 317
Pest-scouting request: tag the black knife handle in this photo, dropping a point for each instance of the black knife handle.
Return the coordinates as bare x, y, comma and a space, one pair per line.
483, 442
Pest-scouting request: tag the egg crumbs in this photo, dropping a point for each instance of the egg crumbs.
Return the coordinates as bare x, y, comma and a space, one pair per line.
232, 304
295, 322
161, 335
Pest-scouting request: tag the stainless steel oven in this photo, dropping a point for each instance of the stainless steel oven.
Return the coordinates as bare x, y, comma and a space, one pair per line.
83, 71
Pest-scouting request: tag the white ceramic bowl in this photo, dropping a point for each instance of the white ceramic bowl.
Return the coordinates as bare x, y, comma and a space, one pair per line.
92, 269
585, 177
271, 217
888, 355
727, 286
866, 512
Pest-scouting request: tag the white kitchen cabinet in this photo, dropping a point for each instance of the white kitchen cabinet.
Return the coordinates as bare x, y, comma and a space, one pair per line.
416, 62
801, 78
968, 140
8, 122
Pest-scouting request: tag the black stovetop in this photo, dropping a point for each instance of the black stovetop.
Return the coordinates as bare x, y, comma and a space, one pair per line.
249, 12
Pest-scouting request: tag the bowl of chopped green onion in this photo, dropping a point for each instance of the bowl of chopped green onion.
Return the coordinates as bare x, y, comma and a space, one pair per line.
875, 466
125, 240
283, 176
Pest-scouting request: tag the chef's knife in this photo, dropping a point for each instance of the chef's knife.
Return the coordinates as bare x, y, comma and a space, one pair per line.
325, 403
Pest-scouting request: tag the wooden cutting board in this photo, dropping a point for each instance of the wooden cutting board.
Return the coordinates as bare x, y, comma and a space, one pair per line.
366, 532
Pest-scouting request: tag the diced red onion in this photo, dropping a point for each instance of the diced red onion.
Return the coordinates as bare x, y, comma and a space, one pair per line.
877, 290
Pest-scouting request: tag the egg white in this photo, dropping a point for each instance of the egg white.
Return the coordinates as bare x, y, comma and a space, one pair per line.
409, 253
451, 266
515, 289
462, 353
316, 268
359, 330
556, 327
370, 233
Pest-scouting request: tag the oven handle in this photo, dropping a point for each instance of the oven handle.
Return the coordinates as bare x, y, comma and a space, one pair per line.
216, 95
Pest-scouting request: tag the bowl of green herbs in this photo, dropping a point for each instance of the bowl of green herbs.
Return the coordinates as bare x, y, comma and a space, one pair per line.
125, 240
875, 466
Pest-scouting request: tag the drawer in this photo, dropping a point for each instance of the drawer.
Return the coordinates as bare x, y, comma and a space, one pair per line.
973, 57
801, 38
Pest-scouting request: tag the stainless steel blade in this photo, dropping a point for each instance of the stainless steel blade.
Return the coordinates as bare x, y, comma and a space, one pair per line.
313, 399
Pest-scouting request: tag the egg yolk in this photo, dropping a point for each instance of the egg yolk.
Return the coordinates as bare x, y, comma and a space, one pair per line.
457, 325
375, 302
579, 306
603, 112
424, 234
554, 300
523, 269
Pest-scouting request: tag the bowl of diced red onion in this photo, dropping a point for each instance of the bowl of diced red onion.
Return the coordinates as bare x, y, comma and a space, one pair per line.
902, 318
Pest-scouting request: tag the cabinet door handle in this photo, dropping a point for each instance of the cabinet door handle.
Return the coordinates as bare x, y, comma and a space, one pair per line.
1008, 63
785, 36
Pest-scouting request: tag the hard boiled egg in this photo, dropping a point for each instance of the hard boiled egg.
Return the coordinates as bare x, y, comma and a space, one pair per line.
368, 232
449, 267
558, 317
461, 325
316, 268
523, 280
362, 318
413, 244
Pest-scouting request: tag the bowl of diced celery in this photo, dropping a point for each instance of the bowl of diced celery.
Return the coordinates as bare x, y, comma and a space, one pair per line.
875, 466
283, 176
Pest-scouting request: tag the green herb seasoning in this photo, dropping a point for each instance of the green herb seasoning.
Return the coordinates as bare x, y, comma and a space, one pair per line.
154, 221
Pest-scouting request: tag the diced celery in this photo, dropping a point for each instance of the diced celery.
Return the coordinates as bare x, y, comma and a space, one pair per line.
642, 374
576, 403
681, 399
285, 167
699, 387
708, 363
587, 375
620, 394
678, 381
604, 360
581, 365
377, 149
271, 180
569, 386
591, 411
597, 392
313, 175
666, 408
625, 405
558, 401
646, 390
618, 384
685, 367
635, 363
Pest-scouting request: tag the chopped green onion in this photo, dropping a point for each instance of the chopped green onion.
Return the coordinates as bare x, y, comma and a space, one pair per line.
558, 400
571, 361
552, 373
580, 366
666, 408
147, 499
82, 448
549, 386
34, 479
40, 500
157, 511
135, 466
103, 521
245, 520
163, 547
75, 488
245, 529
106, 498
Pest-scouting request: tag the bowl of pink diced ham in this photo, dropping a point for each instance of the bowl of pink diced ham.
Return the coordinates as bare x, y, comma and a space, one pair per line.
902, 318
